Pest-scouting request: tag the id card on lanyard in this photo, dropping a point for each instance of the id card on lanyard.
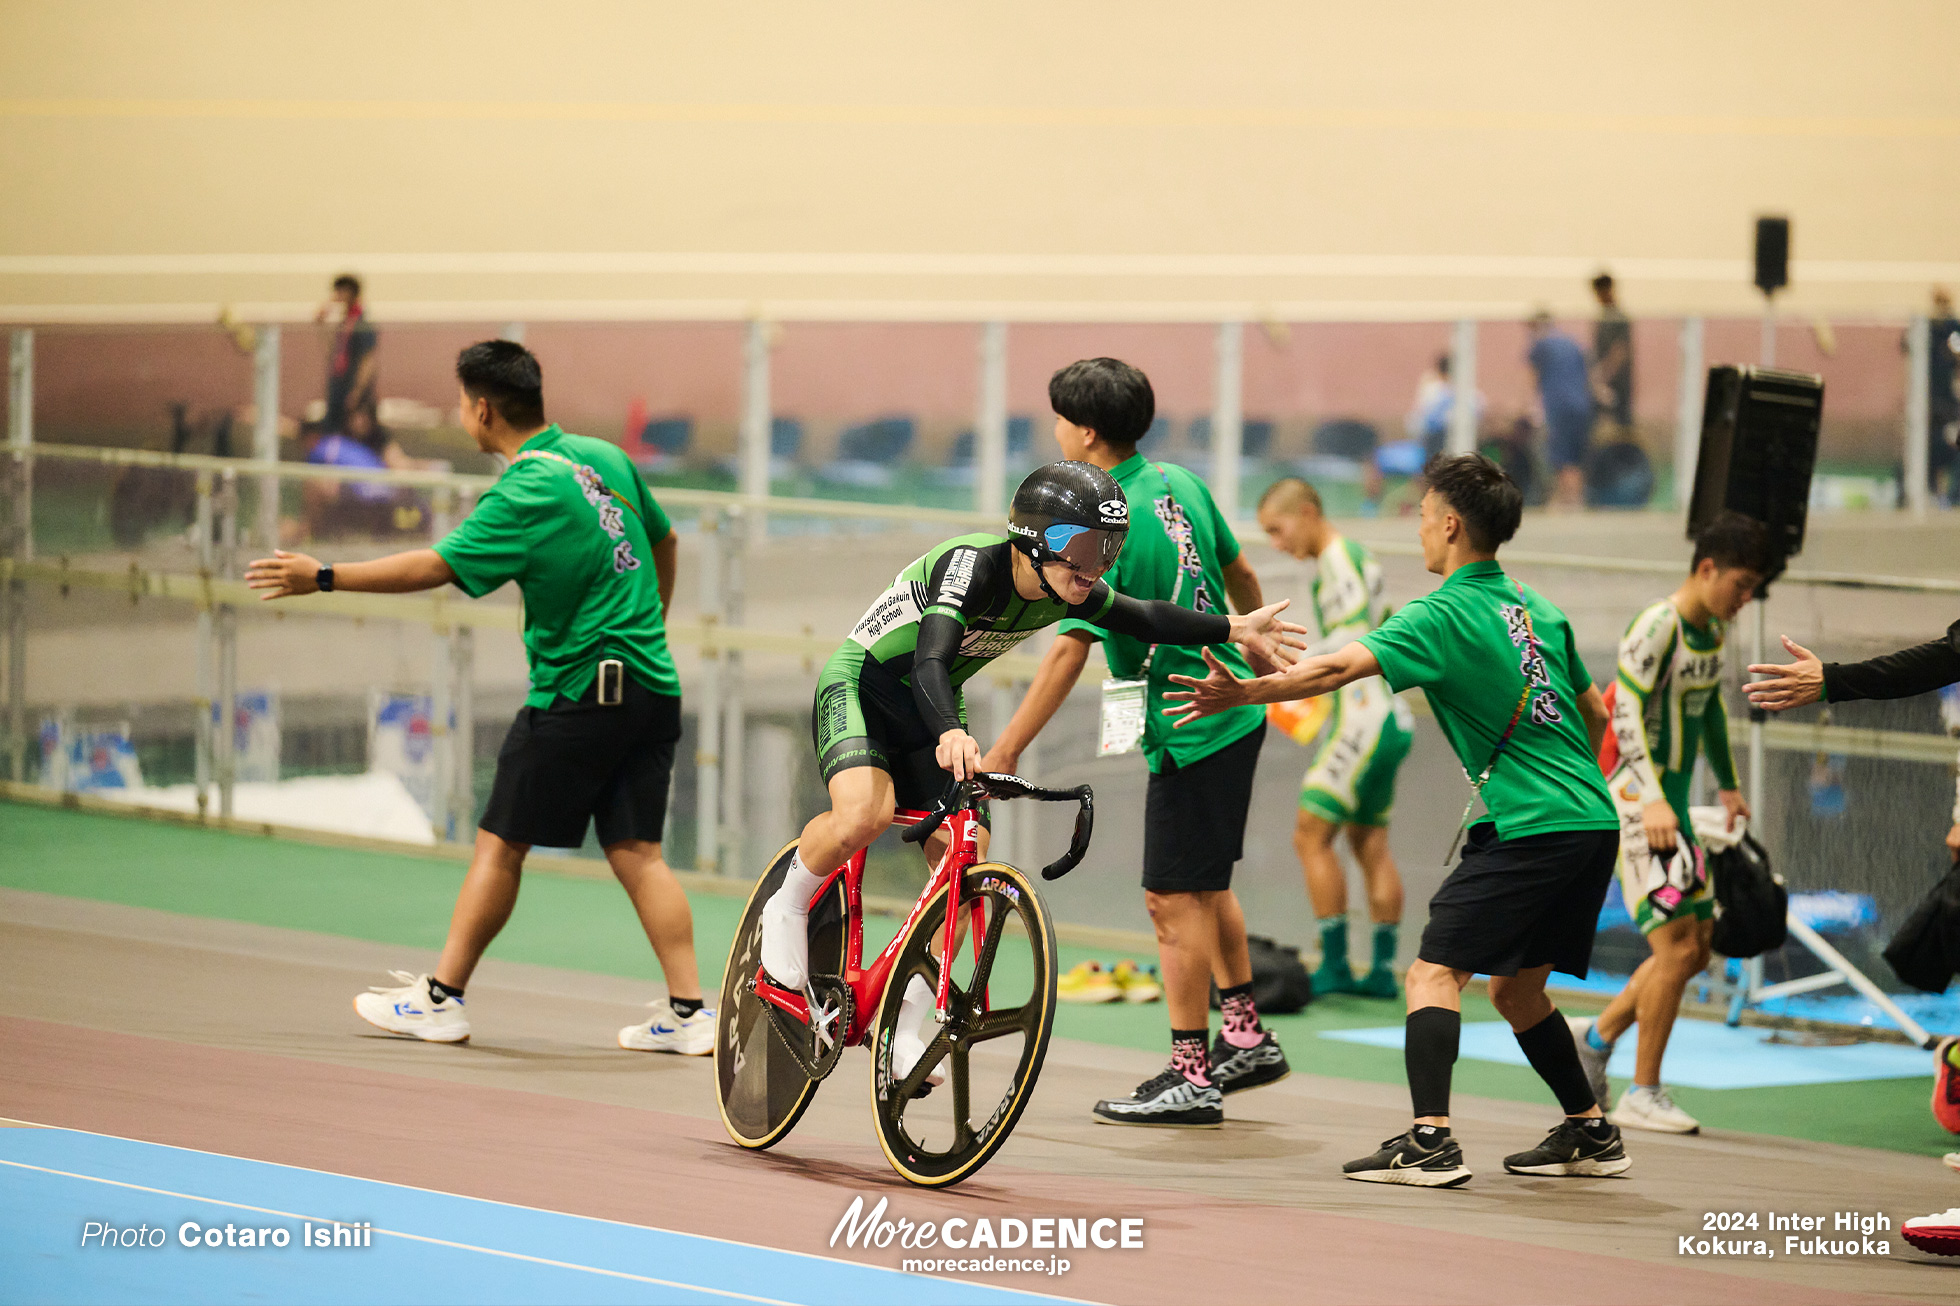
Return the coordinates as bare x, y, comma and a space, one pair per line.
1126, 702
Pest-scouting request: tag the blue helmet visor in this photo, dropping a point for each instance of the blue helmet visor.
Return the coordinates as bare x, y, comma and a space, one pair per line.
1086, 548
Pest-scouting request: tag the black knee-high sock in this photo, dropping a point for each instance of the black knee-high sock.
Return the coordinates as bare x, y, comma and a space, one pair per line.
1548, 1046
1429, 1055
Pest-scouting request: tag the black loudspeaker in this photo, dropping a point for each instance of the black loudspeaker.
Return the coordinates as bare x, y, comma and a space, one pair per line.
1772, 254
1758, 449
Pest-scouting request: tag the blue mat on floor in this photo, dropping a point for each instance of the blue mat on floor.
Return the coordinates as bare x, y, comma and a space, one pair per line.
1703, 1054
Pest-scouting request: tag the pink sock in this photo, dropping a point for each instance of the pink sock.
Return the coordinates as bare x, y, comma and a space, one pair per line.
1242, 1028
1189, 1056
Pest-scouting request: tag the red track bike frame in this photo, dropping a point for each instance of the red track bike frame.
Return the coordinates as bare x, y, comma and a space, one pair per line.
868, 986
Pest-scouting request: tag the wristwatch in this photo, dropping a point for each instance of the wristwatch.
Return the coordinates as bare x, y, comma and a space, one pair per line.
324, 578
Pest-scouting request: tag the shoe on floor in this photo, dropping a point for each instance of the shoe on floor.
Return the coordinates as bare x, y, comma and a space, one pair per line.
1946, 1084
1168, 1101
1593, 1059
1652, 1109
414, 1009
1235, 1069
1571, 1149
1136, 983
1087, 982
1938, 1234
1402, 1160
690, 1036
1951, 1160
1378, 983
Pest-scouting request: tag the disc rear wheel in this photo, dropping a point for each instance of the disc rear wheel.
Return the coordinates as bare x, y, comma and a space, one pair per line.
761, 1084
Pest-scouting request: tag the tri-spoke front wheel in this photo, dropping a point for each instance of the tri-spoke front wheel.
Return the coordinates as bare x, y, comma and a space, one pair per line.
1000, 1010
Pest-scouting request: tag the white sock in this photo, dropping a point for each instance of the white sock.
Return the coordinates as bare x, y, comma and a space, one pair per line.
799, 885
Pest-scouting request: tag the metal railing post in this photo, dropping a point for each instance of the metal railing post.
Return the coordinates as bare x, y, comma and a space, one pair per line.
225, 726
1687, 413
990, 424
207, 692
1919, 415
734, 728
265, 432
707, 711
1463, 387
20, 539
754, 436
1228, 417
462, 807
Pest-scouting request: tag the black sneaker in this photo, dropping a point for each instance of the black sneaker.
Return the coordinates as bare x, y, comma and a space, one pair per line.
1169, 1100
1236, 1069
1572, 1149
1402, 1160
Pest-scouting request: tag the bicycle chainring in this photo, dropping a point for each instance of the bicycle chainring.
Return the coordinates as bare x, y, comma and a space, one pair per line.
817, 1045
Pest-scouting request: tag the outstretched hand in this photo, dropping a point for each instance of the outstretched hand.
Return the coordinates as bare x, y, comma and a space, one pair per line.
1269, 643
1793, 684
1215, 693
287, 575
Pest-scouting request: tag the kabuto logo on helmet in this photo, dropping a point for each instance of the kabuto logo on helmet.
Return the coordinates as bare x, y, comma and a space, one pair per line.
1114, 509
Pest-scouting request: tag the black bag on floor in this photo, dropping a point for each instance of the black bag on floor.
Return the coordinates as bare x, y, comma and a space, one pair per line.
1280, 983
1752, 907
1925, 952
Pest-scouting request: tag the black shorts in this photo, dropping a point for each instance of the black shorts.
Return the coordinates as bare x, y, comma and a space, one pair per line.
1512, 904
570, 763
864, 716
1194, 819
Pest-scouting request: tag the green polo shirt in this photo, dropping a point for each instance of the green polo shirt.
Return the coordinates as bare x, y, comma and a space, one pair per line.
1465, 646
573, 524
1177, 548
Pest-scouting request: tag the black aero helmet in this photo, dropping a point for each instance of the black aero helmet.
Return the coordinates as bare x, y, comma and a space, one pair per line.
1072, 512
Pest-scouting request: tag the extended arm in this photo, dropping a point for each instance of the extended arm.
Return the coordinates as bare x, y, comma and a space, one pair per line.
287, 575
1265, 638
1060, 668
1917, 670
1304, 679
1592, 706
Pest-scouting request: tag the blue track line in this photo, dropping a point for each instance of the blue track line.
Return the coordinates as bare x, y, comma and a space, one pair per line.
425, 1247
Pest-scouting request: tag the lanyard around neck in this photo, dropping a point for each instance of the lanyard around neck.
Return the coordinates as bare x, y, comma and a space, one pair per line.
1477, 783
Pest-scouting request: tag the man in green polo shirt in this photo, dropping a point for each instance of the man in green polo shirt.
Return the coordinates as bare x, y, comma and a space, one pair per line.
572, 523
1497, 663
1180, 550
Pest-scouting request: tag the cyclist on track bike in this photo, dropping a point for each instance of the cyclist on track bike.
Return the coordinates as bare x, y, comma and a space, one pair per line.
890, 720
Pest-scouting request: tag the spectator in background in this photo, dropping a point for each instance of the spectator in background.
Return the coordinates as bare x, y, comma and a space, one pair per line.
1942, 402
1612, 356
353, 405
1565, 393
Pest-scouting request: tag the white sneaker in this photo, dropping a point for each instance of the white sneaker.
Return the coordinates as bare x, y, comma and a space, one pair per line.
1652, 1109
414, 1009
1593, 1060
909, 1039
786, 941
1952, 1160
690, 1036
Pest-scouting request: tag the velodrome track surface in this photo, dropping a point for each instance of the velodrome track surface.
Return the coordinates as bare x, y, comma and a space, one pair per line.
238, 1039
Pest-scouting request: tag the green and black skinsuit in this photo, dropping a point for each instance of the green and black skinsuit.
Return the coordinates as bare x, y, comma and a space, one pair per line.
888, 694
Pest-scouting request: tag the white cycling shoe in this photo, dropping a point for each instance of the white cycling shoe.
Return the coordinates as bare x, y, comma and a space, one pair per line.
786, 941
911, 1038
